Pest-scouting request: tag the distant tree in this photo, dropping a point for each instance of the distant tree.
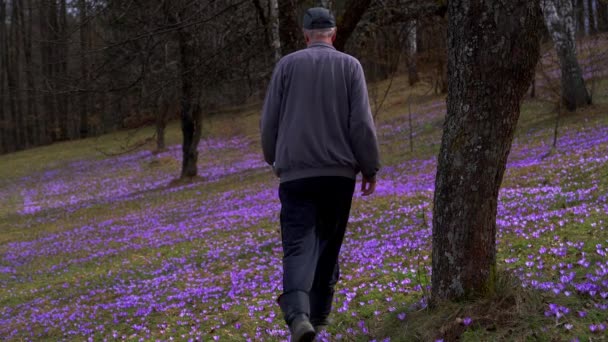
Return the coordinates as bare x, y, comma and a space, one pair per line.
191, 111
62, 89
349, 20
289, 29
559, 18
84, 69
273, 10
6, 141
12, 65
493, 48
412, 48
586, 17
595, 12
32, 119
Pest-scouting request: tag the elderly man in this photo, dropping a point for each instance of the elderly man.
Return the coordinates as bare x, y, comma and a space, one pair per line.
317, 133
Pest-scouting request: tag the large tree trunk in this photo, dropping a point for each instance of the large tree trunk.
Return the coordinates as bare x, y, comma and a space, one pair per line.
493, 47
412, 70
559, 18
289, 30
191, 112
346, 26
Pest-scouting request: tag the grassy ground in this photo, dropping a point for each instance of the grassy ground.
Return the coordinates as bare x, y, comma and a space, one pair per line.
111, 248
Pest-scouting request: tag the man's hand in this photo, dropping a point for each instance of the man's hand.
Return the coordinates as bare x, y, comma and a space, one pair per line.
368, 186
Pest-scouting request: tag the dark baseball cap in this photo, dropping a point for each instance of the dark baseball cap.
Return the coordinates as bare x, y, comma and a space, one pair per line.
318, 18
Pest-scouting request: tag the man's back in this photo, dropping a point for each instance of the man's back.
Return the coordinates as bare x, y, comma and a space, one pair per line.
320, 97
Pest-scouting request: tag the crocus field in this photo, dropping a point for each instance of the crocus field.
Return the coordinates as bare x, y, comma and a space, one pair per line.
104, 248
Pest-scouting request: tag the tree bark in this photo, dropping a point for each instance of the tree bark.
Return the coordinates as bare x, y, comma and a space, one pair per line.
586, 13
595, 13
350, 19
65, 119
5, 132
32, 117
84, 72
412, 70
13, 77
493, 48
559, 18
48, 30
289, 30
191, 113
162, 109
273, 9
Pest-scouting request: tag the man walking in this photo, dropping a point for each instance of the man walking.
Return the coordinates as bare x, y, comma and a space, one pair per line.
317, 133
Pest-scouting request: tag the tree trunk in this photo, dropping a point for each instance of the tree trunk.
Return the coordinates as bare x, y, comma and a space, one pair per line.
162, 109
412, 70
48, 29
586, 14
84, 72
33, 114
273, 9
13, 77
65, 119
289, 30
595, 12
493, 48
5, 132
191, 108
603, 10
559, 19
439, 45
350, 19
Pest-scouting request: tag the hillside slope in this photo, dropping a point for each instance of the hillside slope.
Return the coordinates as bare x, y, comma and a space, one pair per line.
112, 248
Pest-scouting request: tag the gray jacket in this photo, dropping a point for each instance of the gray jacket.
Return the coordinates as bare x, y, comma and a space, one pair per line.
316, 119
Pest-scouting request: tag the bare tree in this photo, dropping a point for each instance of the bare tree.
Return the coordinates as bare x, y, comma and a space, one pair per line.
595, 12
5, 131
349, 20
33, 116
191, 111
559, 18
49, 35
412, 48
493, 48
273, 10
84, 69
289, 30
12, 64
586, 15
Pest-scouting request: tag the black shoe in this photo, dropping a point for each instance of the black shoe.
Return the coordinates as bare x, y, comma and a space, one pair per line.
302, 330
319, 324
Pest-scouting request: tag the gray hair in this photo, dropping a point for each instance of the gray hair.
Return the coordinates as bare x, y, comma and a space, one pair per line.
320, 33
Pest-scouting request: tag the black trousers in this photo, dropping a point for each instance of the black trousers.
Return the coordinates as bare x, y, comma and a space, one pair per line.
314, 214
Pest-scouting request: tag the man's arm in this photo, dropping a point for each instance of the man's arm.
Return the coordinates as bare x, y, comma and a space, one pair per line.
362, 129
269, 125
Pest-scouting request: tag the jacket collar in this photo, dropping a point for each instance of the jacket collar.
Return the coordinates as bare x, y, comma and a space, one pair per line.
321, 44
